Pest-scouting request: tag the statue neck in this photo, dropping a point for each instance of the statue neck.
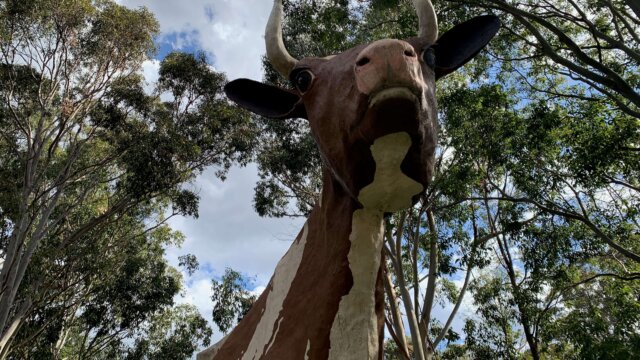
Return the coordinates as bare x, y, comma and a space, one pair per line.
325, 299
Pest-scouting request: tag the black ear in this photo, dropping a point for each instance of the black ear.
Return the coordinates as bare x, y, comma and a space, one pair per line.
460, 44
265, 100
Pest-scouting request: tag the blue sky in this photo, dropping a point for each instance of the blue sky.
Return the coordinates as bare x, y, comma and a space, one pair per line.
183, 41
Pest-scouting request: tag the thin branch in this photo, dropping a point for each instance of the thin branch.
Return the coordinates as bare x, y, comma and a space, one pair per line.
463, 290
433, 271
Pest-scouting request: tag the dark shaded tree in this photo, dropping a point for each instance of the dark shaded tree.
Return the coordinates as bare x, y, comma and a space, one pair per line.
94, 167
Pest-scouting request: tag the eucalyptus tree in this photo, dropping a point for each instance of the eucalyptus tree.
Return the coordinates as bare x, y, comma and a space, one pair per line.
583, 56
85, 149
545, 260
111, 297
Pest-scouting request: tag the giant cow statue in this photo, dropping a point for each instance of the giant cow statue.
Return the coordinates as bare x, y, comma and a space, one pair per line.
372, 112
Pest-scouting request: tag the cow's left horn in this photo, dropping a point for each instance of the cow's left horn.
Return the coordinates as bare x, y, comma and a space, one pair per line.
427, 20
276, 52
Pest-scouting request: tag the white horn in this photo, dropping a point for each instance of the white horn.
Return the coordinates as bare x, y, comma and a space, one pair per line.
427, 20
276, 52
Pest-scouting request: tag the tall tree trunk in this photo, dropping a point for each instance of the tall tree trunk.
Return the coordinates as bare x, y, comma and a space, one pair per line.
515, 289
7, 336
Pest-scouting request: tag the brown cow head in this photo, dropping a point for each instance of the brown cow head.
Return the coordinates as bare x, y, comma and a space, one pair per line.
356, 97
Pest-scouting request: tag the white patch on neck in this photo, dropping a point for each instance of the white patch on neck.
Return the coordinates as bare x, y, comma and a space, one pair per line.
264, 336
306, 353
354, 334
391, 190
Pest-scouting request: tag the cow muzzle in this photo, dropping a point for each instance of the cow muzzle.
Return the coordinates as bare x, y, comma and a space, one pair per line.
389, 68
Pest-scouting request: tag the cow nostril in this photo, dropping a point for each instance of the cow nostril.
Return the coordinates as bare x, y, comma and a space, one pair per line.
364, 61
410, 53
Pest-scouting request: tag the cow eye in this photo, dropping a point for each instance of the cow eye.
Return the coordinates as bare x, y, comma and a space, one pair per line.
302, 80
429, 57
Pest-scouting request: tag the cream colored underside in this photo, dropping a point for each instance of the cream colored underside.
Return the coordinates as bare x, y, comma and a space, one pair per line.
391, 190
306, 352
354, 334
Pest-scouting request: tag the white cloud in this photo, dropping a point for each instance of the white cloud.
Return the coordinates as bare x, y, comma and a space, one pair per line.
198, 293
229, 233
258, 290
150, 70
231, 31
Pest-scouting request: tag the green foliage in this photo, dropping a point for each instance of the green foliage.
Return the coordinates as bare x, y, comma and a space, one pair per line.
116, 33
526, 159
231, 300
171, 335
494, 336
289, 164
391, 351
189, 262
602, 320
384, 4
103, 289
91, 168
